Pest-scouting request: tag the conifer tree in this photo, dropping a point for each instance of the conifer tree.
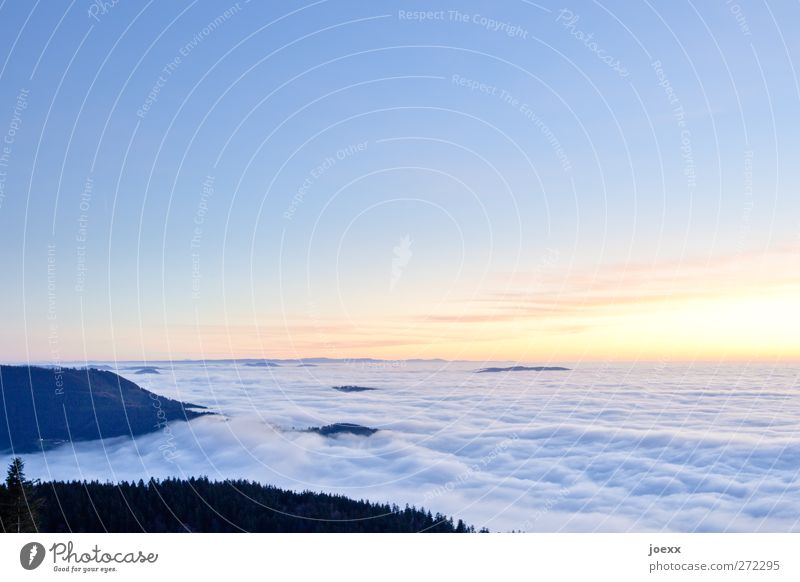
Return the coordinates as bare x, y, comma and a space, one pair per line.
19, 506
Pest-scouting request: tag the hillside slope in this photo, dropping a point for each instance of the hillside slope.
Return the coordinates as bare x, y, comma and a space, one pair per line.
42, 407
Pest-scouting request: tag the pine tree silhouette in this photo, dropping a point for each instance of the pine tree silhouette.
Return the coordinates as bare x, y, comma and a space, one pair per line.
19, 504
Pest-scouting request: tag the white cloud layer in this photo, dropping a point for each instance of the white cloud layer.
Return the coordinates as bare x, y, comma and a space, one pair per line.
650, 448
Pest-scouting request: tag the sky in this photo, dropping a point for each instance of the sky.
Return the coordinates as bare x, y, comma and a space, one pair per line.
537, 182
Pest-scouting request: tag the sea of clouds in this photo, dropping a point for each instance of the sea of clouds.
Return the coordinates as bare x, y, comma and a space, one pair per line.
598, 448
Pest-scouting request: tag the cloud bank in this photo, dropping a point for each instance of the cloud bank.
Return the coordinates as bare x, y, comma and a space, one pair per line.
598, 448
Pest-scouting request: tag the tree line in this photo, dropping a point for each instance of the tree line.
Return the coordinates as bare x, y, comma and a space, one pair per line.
197, 504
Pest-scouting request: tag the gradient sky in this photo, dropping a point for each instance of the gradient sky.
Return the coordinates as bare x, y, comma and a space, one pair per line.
518, 181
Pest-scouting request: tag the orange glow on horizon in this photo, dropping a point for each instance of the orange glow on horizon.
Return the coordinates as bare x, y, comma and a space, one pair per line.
746, 310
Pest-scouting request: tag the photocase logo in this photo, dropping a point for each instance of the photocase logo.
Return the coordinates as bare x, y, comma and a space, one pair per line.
31, 555
402, 255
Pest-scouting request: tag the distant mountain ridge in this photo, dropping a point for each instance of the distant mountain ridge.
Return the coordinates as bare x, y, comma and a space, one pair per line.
43, 407
523, 369
245, 361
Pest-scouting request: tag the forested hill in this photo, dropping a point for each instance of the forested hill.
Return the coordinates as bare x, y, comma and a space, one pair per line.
41, 407
200, 505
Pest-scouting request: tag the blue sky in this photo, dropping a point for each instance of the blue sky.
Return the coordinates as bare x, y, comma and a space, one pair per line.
523, 149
